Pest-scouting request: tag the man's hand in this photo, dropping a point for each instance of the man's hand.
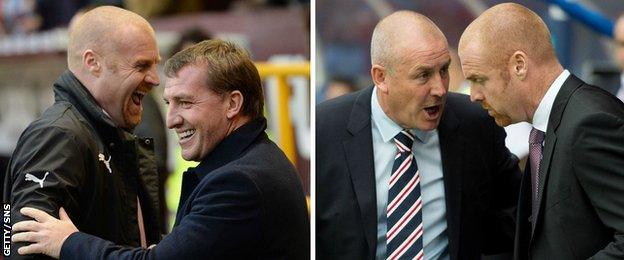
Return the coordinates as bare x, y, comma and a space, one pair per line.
46, 233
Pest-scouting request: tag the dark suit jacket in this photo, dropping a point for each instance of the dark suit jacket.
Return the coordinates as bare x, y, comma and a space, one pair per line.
581, 202
479, 177
243, 201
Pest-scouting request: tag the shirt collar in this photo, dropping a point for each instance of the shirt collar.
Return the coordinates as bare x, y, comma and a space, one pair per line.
388, 128
231, 147
542, 113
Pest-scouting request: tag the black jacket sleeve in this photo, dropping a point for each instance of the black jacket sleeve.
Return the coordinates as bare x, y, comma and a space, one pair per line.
45, 172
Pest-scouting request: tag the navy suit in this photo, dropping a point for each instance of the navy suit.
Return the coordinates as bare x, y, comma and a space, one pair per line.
243, 201
480, 180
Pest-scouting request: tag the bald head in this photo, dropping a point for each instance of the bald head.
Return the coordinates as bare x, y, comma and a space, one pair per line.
505, 28
400, 30
103, 30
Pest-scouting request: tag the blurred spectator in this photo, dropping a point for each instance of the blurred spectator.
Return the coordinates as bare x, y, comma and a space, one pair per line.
189, 38
57, 13
19, 16
338, 86
618, 35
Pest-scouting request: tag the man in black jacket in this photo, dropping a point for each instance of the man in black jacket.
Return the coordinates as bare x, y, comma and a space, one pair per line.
81, 154
243, 201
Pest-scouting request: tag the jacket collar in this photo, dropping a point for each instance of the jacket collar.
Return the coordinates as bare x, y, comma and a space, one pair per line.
231, 147
68, 88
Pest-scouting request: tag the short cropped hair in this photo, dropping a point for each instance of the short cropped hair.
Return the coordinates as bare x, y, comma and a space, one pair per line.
229, 67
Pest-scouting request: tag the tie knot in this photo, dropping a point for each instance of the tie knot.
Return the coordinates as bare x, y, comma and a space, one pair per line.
404, 141
536, 137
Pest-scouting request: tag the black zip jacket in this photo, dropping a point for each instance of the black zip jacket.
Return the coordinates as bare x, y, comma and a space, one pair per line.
74, 157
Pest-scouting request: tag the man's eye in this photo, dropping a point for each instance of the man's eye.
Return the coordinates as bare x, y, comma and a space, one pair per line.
142, 66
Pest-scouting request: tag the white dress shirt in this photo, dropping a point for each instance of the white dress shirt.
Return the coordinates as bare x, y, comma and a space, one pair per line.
542, 113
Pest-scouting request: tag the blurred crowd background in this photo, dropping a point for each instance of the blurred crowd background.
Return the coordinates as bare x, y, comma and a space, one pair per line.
33, 39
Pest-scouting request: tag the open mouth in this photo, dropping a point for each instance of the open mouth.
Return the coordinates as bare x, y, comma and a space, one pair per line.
433, 111
137, 96
186, 134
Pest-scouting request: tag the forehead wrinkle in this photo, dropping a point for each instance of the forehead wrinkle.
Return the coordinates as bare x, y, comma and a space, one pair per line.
420, 55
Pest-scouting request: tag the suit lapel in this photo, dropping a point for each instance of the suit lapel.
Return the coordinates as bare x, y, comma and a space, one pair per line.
359, 153
568, 87
452, 147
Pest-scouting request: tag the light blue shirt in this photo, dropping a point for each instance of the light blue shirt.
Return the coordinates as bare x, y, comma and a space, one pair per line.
426, 150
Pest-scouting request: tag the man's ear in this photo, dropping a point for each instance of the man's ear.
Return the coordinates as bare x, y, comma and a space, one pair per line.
378, 74
518, 65
235, 103
92, 62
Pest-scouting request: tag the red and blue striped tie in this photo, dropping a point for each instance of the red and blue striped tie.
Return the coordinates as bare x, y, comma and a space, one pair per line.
404, 212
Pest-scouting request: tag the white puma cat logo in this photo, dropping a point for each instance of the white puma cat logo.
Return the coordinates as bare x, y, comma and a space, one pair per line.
33, 178
102, 158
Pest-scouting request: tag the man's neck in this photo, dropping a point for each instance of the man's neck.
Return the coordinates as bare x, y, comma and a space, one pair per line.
545, 76
237, 122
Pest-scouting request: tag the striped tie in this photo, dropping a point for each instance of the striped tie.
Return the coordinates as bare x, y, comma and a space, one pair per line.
405, 229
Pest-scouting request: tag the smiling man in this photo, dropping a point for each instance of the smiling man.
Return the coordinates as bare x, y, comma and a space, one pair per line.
243, 201
571, 204
405, 170
80, 154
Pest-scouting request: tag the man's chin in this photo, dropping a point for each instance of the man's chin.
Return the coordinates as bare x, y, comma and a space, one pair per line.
428, 125
190, 156
130, 122
502, 121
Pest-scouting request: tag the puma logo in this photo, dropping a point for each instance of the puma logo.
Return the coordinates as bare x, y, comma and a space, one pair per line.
33, 178
102, 158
